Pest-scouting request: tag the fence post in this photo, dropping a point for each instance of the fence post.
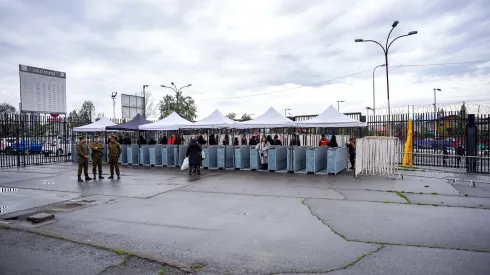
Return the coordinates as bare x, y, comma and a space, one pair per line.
362, 130
471, 146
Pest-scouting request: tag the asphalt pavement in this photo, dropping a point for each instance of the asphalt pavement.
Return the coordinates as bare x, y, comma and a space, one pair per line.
242, 222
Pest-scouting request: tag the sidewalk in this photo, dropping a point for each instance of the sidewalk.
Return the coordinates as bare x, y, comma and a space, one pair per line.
237, 222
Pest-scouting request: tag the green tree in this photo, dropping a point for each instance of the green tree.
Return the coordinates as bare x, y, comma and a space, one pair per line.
246, 117
182, 105
87, 111
231, 116
6, 108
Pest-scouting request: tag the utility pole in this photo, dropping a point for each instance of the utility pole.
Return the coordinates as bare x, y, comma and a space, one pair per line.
435, 111
338, 104
144, 99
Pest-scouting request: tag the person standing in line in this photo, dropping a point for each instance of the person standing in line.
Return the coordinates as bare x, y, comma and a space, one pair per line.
244, 139
172, 139
352, 152
114, 152
269, 139
277, 141
194, 153
460, 151
333, 142
253, 141
201, 140
236, 142
226, 140
83, 151
127, 140
97, 151
263, 149
323, 141
212, 140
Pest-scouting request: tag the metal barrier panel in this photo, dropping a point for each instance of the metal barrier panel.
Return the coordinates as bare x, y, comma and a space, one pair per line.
205, 161
316, 159
157, 155
145, 155
225, 156
164, 155
105, 154
171, 155
277, 158
151, 150
254, 159
182, 150
242, 157
123, 158
299, 159
212, 156
135, 154
337, 160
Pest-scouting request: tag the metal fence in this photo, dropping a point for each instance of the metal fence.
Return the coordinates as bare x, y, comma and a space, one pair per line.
27, 139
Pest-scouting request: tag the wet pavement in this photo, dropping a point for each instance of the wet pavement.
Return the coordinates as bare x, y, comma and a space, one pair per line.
237, 222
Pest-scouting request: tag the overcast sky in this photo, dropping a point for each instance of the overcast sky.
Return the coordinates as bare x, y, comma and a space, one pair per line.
241, 48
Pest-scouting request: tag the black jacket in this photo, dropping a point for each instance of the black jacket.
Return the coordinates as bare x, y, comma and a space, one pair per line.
194, 153
253, 141
212, 140
277, 142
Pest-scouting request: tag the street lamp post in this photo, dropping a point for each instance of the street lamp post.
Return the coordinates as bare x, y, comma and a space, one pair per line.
338, 104
435, 110
113, 96
144, 99
374, 90
386, 49
177, 92
286, 111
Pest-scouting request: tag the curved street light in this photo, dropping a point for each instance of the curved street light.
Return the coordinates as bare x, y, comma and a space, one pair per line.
177, 92
386, 49
374, 90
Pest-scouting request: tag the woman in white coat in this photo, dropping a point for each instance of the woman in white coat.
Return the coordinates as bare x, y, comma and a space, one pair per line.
263, 149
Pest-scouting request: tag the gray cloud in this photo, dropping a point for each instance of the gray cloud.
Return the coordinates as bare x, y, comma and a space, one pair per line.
235, 48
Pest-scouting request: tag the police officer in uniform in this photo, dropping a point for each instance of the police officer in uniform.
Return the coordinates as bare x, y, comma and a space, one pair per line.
83, 151
114, 152
97, 151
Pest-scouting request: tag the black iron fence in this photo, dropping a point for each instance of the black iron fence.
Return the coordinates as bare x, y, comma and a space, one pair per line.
29, 139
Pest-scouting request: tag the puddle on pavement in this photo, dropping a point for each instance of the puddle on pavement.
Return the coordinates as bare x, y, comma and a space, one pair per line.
8, 190
3, 209
47, 182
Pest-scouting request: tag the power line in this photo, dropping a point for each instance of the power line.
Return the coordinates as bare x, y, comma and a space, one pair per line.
340, 77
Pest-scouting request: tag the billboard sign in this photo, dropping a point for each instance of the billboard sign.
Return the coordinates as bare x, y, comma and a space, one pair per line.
42, 90
131, 105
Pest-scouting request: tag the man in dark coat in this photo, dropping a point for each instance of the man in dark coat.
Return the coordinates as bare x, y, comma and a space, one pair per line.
277, 141
194, 153
253, 141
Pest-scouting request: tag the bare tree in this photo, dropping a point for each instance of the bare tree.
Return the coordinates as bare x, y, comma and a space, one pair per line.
151, 107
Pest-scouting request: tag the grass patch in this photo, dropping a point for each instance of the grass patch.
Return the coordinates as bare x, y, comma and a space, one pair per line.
121, 252
404, 197
466, 195
198, 266
434, 193
161, 271
435, 204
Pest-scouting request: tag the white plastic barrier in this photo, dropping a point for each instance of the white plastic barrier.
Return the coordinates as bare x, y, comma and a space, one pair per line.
376, 155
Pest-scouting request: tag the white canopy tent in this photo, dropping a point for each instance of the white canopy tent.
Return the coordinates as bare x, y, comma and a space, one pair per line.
270, 119
216, 120
172, 122
331, 118
98, 126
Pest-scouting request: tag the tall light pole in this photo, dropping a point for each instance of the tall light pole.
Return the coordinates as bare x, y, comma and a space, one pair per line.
177, 92
144, 99
286, 111
338, 104
435, 110
386, 49
374, 90
113, 96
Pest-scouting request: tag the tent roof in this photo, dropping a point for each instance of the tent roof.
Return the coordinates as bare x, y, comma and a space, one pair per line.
170, 123
131, 125
331, 118
215, 120
270, 119
98, 126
